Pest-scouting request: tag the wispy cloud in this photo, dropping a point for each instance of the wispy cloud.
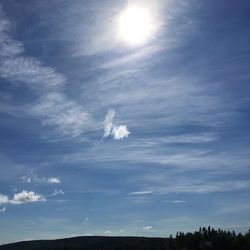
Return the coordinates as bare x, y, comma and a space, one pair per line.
56, 192
108, 123
16, 66
108, 232
2, 210
53, 107
141, 193
33, 178
65, 115
190, 138
146, 228
117, 131
175, 201
166, 185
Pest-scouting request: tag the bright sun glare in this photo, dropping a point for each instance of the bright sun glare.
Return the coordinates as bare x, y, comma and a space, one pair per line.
135, 25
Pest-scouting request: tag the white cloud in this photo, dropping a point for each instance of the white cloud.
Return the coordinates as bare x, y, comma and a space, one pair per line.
190, 138
57, 192
117, 131
22, 197
15, 66
120, 132
176, 201
2, 210
25, 197
147, 228
67, 116
54, 107
108, 122
3, 199
141, 192
33, 178
54, 180
163, 183
108, 232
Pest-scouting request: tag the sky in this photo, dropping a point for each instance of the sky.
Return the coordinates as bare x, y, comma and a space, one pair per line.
106, 135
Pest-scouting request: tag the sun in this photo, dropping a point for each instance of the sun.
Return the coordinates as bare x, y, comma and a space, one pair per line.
135, 25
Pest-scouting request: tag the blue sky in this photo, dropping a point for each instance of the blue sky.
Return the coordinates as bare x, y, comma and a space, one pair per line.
103, 137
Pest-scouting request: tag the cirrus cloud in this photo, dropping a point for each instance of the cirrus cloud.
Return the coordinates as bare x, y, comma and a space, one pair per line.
33, 178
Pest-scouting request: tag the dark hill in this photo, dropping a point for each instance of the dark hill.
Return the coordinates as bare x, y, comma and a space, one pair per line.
204, 239
90, 242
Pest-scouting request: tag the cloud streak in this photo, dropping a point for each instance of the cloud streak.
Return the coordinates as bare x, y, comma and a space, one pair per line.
16, 66
108, 123
33, 178
141, 192
56, 192
54, 107
65, 115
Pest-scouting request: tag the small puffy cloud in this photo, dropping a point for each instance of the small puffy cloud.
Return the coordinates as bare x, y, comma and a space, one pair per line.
120, 132
110, 129
26, 196
146, 228
4, 199
108, 123
22, 197
2, 210
54, 180
108, 232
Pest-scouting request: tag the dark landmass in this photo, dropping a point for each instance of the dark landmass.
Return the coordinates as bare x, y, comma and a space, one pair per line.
205, 238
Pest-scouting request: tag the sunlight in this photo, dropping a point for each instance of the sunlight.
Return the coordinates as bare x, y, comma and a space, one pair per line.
135, 25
